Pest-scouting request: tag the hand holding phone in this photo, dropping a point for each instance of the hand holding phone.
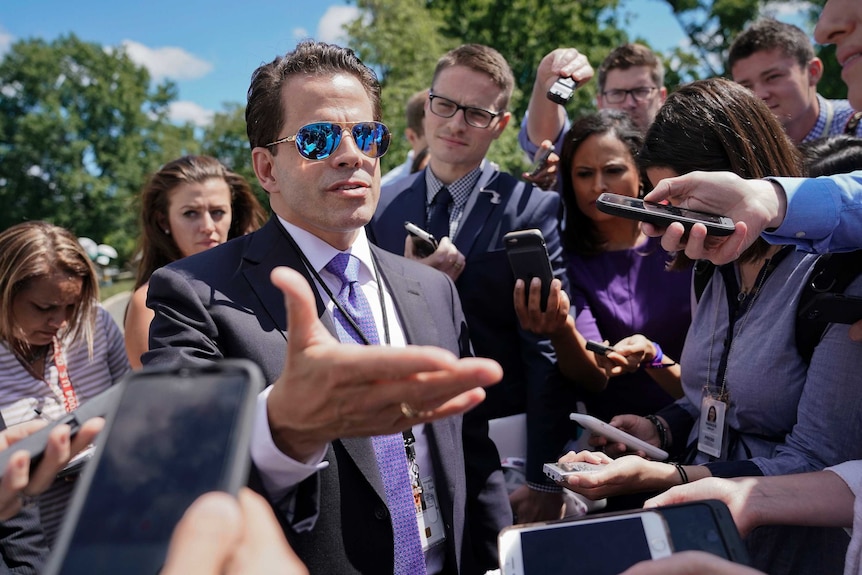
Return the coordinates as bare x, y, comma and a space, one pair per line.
663, 215
529, 259
424, 244
612, 433
541, 162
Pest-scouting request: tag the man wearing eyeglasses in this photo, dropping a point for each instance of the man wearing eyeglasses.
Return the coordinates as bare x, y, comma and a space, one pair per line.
360, 449
631, 79
468, 204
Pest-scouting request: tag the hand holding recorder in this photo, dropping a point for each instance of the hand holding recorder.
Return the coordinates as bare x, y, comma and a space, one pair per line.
439, 254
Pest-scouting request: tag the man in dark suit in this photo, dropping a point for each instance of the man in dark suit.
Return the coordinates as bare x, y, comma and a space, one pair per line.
313, 125
465, 112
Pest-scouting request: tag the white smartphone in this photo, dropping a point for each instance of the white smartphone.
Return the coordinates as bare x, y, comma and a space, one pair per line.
663, 215
559, 471
599, 545
599, 427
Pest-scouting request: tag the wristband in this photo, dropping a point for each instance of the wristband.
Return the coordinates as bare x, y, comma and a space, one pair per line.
682, 474
656, 362
660, 429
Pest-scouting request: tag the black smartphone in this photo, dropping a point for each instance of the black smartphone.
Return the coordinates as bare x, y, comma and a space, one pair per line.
99, 406
424, 244
831, 307
599, 348
174, 435
562, 91
705, 525
528, 256
663, 214
541, 162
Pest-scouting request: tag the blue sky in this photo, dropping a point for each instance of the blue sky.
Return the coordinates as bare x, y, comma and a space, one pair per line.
210, 47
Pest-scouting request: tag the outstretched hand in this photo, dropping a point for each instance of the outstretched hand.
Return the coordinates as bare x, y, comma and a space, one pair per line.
329, 390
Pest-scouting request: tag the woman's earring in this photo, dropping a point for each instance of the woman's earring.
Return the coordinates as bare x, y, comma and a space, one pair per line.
167, 232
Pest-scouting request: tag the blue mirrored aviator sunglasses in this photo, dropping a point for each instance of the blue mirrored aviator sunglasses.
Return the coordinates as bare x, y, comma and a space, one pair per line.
319, 140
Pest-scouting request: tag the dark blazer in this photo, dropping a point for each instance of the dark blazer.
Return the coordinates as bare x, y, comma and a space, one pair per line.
531, 381
221, 303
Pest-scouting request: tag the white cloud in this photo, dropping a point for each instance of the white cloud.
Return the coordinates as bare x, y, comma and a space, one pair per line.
783, 10
330, 28
6, 40
186, 111
300, 34
168, 62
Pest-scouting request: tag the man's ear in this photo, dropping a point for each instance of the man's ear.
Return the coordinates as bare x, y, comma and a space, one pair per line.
262, 162
502, 123
662, 94
815, 71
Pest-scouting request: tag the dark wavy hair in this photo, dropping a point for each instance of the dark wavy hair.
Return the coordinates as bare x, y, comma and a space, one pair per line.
158, 249
580, 235
717, 125
264, 112
838, 154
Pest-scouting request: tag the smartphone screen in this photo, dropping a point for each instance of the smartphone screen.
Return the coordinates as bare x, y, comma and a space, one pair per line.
595, 547
173, 437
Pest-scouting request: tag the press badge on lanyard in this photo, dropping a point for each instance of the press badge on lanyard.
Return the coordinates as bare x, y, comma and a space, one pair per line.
713, 412
431, 530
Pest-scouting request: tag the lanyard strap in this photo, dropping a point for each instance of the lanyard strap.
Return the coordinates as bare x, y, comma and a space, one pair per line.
70, 398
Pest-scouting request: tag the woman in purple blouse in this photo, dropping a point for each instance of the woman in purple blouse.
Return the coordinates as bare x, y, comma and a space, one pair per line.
621, 291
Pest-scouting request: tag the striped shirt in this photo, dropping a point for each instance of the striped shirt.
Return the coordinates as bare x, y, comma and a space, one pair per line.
21, 395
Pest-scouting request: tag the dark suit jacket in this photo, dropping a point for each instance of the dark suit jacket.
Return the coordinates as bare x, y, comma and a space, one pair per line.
531, 381
221, 303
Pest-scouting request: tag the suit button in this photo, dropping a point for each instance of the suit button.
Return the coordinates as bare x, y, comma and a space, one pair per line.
381, 513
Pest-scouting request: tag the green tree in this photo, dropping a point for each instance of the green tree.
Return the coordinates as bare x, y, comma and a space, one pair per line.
80, 128
226, 139
402, 40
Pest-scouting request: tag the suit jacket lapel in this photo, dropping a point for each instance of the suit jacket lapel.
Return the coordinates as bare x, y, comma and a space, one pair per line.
406, 294
485, 198
269, 248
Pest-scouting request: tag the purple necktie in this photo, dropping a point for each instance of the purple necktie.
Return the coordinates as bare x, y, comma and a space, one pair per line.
388, 449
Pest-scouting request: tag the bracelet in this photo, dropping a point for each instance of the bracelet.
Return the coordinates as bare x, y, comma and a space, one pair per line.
656, 362
682, 474
660, 429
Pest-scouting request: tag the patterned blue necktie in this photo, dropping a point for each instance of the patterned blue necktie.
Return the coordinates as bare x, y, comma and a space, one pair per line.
388, 449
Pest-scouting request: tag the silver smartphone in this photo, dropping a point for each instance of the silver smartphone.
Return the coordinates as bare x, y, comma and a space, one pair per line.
663, 215
600, 545
174, 435
612, 433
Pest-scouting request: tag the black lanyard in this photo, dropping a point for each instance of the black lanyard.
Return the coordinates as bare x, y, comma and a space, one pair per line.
386, 337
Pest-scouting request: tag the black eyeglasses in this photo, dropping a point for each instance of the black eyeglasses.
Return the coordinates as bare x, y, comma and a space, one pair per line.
619, 96
446, 108
319, 140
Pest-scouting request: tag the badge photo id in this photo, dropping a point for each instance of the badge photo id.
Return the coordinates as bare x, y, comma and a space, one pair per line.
711, 432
